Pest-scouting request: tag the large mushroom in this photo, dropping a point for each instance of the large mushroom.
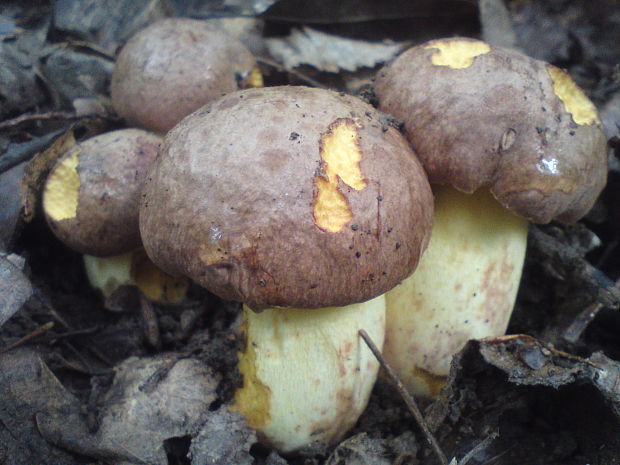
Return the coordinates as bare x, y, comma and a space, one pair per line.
304, 204
504, 139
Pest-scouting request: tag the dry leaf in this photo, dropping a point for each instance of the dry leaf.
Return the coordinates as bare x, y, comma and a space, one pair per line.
18, 78
108, 23
15, 289
10, 205
76, 74
27, 386
328, 52
223, 438
360, 450
543, 405
151, 401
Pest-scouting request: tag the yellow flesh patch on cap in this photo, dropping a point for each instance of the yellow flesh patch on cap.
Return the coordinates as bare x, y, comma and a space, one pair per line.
60, 198
457, 54
341, 156
331, 209
575, 101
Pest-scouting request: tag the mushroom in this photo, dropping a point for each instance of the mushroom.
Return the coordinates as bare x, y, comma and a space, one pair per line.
90, 201
175, 66
504, 139
305, 205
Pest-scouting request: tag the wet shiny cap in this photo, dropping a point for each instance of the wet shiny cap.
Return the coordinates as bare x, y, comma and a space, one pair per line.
480, 116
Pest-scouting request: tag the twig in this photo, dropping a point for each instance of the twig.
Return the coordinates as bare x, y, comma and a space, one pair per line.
48, 115
28, 337
297, 74
150, 322
498, 456
582, 320
77, 332
43, 300
74, 365
409, 400
479, 447
87, 366
100, 355
608, 251
569, 262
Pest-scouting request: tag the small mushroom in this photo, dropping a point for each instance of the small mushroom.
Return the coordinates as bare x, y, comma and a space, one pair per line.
504, 139
90, 201
174, 67
298, 203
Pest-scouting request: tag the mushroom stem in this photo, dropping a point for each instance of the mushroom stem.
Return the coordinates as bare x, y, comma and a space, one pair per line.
307, 374
108, 274
464, 287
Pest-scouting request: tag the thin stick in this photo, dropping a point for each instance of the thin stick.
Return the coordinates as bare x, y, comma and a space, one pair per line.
479, 447
570, 263
77, 332
100, 355
49, 115
409, 400
297, 74
581, 321
150, 322
28, 337
81, 359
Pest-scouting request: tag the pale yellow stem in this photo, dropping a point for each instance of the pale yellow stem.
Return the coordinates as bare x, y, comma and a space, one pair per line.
464, 288
307, 373
107, 274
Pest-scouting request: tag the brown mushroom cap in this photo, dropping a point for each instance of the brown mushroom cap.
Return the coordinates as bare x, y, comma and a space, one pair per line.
287, 196
174, 67
483, 116
92, 194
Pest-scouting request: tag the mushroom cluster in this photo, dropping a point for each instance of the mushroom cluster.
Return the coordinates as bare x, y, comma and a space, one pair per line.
312, 209
504, 139
162, 74
304, 205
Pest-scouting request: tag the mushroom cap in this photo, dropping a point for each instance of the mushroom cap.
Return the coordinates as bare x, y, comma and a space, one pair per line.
287, 196
175, 66
484, 116
92, 193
